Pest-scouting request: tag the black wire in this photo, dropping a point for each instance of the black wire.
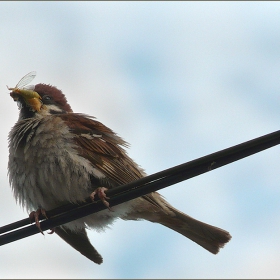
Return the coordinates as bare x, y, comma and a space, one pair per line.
154, 182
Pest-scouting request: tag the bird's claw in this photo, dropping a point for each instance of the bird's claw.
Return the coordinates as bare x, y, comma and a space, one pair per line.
102, 195
34, 217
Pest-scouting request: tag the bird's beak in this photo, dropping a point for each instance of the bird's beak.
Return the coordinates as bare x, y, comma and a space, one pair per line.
31, 98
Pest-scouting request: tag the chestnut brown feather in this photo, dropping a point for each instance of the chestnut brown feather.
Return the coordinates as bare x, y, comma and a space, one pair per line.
55, 93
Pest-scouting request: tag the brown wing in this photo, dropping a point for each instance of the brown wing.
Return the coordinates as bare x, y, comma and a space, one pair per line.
103, 148
79, 241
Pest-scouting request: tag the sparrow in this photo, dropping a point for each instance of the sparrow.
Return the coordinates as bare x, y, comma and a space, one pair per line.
57, 156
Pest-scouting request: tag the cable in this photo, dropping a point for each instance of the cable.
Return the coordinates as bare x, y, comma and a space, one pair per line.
154, 182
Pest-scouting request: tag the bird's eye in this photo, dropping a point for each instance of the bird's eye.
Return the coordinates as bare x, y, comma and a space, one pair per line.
47, 97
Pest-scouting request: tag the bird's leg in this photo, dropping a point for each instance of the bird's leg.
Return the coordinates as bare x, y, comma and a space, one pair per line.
34, 217
102, 195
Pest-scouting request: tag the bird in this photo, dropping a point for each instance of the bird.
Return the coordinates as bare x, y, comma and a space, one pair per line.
57, 156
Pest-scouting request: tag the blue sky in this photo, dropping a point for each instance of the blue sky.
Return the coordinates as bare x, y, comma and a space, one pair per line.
177, 80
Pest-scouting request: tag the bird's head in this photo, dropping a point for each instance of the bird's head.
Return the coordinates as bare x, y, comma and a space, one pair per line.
42, 99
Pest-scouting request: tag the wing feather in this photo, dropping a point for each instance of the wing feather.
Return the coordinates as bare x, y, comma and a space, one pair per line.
79, 241
103, 148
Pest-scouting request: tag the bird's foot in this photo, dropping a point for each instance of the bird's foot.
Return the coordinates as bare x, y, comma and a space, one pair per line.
34, 217
102, 195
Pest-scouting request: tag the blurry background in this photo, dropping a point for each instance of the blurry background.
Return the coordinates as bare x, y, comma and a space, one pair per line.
177, 80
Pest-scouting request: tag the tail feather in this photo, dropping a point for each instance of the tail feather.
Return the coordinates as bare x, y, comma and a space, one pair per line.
209, 237
154, 208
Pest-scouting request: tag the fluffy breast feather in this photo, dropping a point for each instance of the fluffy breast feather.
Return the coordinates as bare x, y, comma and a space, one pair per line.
47, 169
44, 164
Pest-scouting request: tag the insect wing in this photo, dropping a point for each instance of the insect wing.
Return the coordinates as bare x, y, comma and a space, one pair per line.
29, 87
26, 79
